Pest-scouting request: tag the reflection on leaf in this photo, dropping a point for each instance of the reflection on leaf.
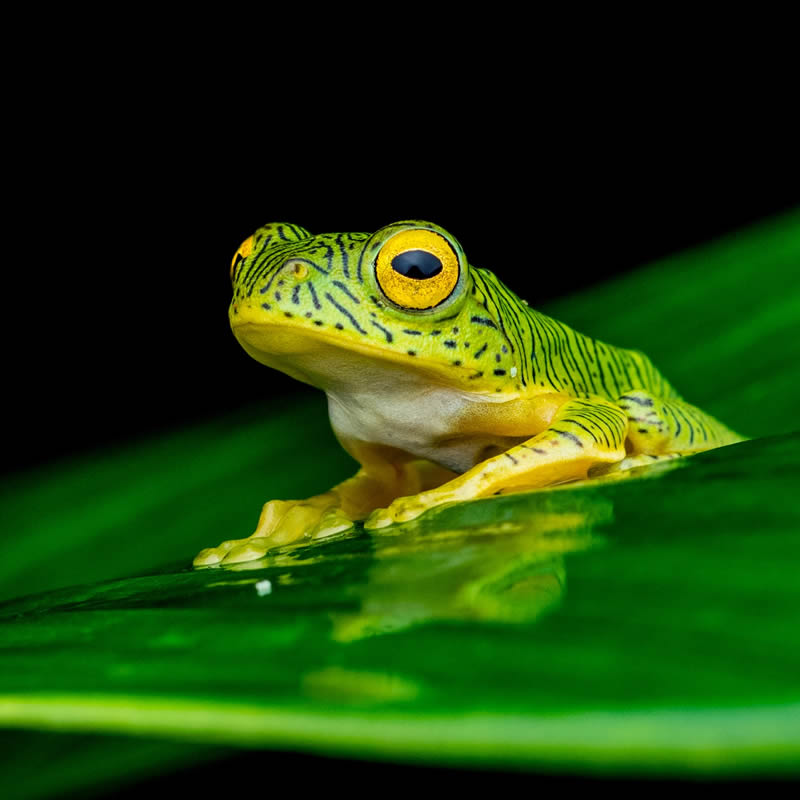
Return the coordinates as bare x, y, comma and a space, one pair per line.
338, 685
507, 572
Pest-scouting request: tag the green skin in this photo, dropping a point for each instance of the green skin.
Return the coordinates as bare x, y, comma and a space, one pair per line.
474, 395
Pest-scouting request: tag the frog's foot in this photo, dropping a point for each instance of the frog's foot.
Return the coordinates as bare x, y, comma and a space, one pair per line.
404, 509
281, 522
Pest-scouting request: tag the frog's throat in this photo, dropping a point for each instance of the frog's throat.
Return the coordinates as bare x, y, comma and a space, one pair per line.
286, 348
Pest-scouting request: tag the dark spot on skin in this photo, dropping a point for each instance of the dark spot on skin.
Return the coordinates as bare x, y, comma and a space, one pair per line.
504, 349
497, 357
339, 326
412, 333
466, 345
287, 313
456, 363
642, 430
571, 436
267, 306
411, 353
278, 296
499, 372
373, 314
308, 315
449, 343
280, 283
455, 330
648, 401
476, 375
435, 333
318, 322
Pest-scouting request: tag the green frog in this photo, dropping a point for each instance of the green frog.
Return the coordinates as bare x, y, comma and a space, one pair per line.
441, 383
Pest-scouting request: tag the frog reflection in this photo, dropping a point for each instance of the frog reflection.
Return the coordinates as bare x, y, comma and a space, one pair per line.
507, 571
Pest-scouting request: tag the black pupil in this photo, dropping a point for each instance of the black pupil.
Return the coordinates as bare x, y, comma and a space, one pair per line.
417, 264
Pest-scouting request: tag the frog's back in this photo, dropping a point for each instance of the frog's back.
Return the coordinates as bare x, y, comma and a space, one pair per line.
554, 357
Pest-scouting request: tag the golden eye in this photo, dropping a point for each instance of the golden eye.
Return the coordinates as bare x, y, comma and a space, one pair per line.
245, 248
417, 269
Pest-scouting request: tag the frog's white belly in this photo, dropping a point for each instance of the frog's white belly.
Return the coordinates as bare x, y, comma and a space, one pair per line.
417, 418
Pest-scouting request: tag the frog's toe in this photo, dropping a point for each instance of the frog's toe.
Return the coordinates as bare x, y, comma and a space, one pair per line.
207, 557
403, 509
248, 550
213, 555
298, 522
333, 521
379, 518
383, 517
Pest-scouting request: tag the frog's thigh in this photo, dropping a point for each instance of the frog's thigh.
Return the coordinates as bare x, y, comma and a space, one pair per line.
582, 435
663, 428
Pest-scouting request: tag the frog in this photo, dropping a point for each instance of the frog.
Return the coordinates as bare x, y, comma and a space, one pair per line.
441, 382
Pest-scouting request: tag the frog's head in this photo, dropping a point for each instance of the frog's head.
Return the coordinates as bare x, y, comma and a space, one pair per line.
404, 295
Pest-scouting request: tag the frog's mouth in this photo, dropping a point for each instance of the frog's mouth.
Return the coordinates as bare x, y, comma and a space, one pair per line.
321, 359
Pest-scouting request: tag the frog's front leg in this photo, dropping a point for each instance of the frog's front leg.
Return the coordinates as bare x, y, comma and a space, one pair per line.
385, 474
583, 434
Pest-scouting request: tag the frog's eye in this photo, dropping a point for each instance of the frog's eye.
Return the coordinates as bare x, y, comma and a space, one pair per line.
417, 269
245, 248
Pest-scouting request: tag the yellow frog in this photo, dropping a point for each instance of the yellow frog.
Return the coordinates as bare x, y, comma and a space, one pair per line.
441, 382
